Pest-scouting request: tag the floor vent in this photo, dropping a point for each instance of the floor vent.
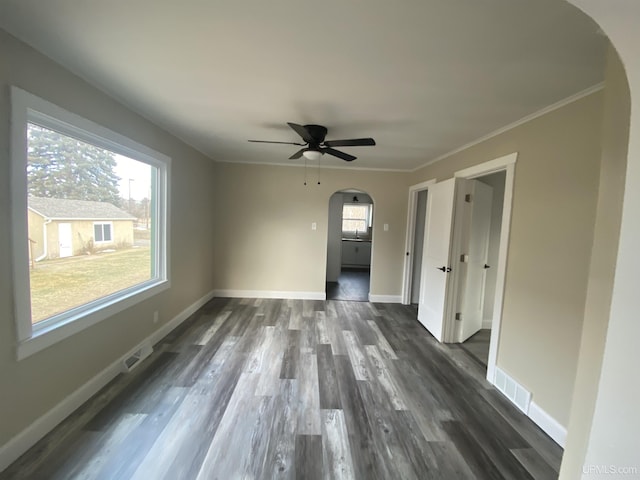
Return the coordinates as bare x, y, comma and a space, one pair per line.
135, 357
515, 392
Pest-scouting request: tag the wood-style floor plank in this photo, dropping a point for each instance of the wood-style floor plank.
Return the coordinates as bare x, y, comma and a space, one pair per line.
227, 451
279, 444
308, 409
285, 389
336, 453
309, 457
327, 379
533, 462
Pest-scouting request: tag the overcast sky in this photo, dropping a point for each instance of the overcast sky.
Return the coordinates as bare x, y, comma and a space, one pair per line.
140, 175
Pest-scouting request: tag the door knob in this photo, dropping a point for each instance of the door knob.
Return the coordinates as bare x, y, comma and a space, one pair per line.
486, 266
444, 269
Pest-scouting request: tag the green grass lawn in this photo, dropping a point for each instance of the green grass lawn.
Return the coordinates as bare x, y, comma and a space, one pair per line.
59, 285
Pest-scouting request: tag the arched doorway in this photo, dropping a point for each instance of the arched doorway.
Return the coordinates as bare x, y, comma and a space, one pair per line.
349, 241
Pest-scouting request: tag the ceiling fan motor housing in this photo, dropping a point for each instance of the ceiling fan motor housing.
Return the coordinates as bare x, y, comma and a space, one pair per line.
318, 132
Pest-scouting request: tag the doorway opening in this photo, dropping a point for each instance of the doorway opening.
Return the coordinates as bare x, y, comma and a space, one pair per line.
416, 223
478, 287
349, 242
464, 254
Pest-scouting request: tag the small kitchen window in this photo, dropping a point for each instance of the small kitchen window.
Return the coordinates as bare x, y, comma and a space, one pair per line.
356, 219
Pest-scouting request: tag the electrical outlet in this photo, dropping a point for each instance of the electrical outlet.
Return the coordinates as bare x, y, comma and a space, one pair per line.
386, 227
314, 226
156, 317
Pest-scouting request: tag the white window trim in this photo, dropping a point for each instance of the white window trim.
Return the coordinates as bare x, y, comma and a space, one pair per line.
26, 107
102, 242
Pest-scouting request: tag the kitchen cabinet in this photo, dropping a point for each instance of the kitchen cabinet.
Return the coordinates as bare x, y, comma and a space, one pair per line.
356, 253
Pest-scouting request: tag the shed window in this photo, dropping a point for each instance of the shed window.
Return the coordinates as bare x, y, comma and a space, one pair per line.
102, 232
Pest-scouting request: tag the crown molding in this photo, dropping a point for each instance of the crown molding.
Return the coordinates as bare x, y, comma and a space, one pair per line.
548, 109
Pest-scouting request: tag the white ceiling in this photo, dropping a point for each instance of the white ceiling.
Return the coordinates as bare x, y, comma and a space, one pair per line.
422, 77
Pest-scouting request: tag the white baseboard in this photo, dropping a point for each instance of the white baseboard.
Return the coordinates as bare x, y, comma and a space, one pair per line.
28, 437
547, 423
23, 441
487, 323
164, 330
521, 398
293, 295
385, 298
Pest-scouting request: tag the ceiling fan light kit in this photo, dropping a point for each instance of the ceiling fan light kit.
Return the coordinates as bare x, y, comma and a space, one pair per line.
312, 155
315, 144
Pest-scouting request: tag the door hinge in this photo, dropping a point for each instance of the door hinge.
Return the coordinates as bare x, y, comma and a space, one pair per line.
458, 316
467, 198
464, 258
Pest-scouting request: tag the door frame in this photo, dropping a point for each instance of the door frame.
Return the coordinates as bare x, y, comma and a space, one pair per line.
407, 277
506, 163
356, 191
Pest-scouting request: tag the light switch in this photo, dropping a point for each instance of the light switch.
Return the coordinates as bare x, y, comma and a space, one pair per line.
314, 226
386, 227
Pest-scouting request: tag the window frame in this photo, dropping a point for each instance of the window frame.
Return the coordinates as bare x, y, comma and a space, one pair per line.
32, 338
102, 224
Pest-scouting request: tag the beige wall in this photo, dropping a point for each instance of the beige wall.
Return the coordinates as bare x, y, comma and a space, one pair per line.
553, 216
33, 386
615, 140
264, 235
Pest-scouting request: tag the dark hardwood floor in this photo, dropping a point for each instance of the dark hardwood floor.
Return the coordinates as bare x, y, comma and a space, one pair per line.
297, 389
352, 284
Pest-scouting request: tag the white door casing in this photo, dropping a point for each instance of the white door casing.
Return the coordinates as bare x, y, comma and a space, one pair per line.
433, 308
508, 164
65, 240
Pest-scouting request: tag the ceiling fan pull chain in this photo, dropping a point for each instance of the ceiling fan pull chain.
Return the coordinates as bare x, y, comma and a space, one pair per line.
318, 171
305, 171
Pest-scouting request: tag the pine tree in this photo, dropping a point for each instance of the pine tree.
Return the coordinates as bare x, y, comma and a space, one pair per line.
62, 167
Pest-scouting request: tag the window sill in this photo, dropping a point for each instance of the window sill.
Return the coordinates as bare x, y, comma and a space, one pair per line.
45, 337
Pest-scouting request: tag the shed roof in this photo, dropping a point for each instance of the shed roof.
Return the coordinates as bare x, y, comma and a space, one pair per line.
65, 209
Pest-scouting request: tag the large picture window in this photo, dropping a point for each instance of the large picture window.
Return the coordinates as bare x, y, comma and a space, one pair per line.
90, 218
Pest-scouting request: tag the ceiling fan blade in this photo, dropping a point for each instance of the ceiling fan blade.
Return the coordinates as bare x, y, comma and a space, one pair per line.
298, 154
354, 142
284, 143
337, 153
303, 132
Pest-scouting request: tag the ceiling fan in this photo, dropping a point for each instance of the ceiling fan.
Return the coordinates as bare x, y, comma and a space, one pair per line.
315, 145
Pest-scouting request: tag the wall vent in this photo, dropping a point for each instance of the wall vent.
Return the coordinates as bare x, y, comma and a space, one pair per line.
511, 389
132, 359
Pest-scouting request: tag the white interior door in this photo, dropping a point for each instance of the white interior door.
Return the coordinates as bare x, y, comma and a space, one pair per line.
432, 309
65, 240
474, 251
